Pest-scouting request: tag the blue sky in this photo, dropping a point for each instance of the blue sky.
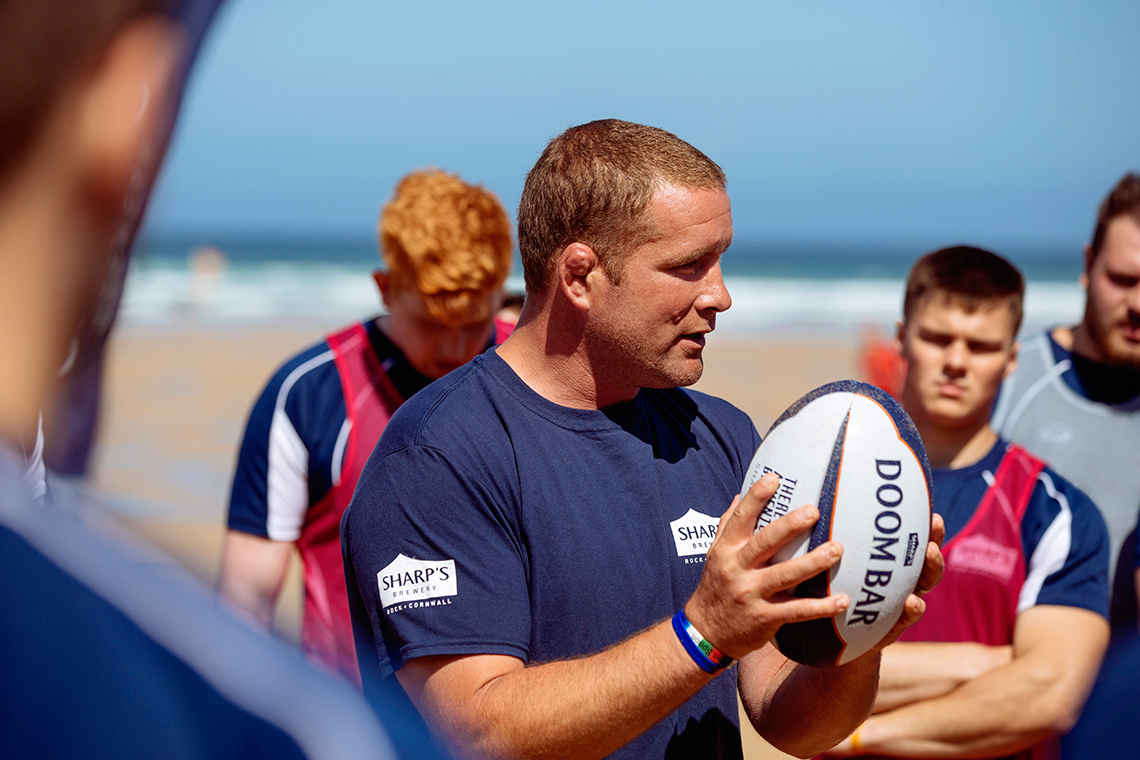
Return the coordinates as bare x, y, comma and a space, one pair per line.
939, 121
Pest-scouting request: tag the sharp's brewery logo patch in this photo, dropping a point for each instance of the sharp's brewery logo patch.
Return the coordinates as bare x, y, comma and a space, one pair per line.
408, 582
693, 533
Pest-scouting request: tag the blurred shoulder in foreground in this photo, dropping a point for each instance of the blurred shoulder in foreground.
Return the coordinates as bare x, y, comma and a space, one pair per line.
108, 650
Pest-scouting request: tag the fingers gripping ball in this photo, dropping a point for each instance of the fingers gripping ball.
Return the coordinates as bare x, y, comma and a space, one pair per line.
851, 450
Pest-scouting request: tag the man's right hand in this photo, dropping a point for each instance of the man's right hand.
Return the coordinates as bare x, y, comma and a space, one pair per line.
741, 601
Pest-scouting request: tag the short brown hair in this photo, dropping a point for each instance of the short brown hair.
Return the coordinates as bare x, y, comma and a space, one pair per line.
43, 45
593, 184
1123, 200
449, 240
972, 277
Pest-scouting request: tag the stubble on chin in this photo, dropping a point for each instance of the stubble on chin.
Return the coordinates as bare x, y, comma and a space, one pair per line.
1114, 350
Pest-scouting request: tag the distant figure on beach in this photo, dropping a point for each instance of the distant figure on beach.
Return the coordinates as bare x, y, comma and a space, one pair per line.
446, 247
207, 264
106, 649
530, 550
1009, 647
1075, 397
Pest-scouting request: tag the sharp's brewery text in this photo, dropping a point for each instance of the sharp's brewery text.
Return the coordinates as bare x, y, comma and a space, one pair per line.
410, 578
697, 532
406, 579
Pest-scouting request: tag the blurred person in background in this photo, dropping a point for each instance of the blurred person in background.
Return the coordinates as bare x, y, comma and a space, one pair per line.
108, 649
1009, 647
1074, 399
446, 247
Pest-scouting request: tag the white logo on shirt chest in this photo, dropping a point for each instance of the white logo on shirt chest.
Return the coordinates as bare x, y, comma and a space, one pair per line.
1055, 433
693, 533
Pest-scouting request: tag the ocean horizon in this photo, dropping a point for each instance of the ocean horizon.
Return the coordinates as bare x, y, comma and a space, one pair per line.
830, 286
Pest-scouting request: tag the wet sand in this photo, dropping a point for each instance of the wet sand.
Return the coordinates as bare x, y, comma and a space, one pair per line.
176, 399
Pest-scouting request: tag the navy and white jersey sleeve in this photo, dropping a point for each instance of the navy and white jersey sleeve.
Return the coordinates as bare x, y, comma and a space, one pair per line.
1066, 548
293, 442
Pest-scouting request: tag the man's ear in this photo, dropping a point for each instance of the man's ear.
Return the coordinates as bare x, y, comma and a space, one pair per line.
1088, 260
126, 109
1012, 365
384, 284
900, 334
575, 264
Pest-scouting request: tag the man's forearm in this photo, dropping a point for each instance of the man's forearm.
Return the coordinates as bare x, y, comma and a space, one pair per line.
996, 715
914, 671
803, 710
494, 706
1038, 694
253, 570
581, 708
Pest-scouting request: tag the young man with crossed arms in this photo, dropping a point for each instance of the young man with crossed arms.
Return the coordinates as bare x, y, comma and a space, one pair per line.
1009, 647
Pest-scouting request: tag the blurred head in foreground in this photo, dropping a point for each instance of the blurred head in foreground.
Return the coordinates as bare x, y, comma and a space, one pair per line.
88, 92
958, 334
446, 247
108, 652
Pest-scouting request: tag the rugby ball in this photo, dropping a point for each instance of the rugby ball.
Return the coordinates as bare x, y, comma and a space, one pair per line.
851, 450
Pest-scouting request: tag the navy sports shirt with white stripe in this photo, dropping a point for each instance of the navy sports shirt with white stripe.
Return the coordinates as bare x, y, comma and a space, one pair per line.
1062, 533
294, 442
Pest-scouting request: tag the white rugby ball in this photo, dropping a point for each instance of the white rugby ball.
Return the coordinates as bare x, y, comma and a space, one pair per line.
851, 450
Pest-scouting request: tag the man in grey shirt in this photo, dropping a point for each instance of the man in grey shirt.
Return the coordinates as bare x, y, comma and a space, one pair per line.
1075, 397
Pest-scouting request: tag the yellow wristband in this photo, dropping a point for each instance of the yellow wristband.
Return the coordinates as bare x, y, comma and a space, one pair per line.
856, 742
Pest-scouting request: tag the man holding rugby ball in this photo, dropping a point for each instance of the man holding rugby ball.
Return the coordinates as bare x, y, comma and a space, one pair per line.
538, 549
1005, 657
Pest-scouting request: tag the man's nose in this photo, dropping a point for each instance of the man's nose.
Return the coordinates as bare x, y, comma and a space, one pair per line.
1132, 301
955, 356
714, 295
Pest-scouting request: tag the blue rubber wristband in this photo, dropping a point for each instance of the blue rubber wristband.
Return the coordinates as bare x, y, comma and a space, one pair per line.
707, 657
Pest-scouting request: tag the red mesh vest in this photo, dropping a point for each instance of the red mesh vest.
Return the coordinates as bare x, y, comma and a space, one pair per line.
985, 570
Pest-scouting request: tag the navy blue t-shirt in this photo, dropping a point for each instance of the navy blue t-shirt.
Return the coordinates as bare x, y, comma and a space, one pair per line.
1063, 535
490, 520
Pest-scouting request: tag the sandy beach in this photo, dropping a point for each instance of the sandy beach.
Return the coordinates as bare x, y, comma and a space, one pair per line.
176, 399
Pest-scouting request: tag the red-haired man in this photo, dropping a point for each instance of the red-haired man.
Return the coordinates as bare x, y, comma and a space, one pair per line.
447, 250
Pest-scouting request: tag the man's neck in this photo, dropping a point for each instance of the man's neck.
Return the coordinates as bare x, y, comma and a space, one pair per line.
547, 352
955, 448
1064, 336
